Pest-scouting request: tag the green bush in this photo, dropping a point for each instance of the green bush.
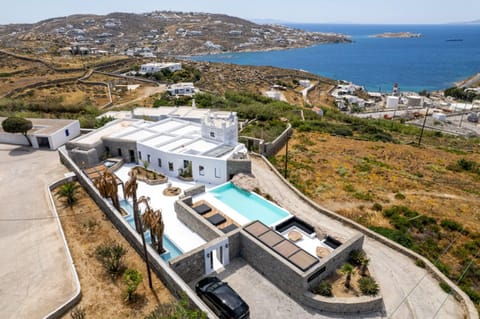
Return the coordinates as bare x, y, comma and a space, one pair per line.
368, 286
446, 287
111, 256
399, 196
400, 237
356, 257
420, 263
377, 207
324, 289
132, 279
451, 225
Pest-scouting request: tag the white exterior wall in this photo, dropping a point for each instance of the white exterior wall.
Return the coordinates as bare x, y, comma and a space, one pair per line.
10, 138
60, 137
215, 169
392, 102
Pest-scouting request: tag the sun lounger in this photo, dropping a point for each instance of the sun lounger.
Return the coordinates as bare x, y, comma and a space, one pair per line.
202, 209
229, 228
216, 219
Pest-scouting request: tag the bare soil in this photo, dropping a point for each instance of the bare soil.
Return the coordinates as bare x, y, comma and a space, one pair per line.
86, 227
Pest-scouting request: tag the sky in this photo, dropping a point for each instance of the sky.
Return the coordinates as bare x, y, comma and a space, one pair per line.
304, 11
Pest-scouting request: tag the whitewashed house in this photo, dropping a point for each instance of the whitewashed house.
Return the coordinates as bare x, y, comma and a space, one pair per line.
45, 133
150, 68
183, 88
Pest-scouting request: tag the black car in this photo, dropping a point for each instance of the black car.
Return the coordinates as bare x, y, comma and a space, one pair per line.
222, 299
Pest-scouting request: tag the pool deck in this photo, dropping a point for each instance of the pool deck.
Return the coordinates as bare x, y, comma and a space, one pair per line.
182, 236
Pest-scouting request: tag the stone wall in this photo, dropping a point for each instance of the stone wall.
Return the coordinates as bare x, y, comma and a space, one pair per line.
336, 259
195, 190
124, 146
272, 148
236, 166
354, 305
173, 282
191, 265
196, 222
273, 267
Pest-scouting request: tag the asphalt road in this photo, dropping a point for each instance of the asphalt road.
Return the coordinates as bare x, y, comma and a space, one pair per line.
35, 277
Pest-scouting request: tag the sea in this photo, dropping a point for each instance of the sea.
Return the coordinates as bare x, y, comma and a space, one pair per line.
444, 55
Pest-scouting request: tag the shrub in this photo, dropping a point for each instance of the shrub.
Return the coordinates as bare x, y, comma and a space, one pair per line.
420, 263
398, 236
399, 196
132, 279
377, 207
451, 225
179, 310
324, 289
78, 313
68, 192
357, 257
368, 286
111, 256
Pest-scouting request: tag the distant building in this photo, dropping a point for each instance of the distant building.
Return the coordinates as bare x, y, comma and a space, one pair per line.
46, 133
414, 100
274, 95
151, 68
392, 102
186, 88
305, 83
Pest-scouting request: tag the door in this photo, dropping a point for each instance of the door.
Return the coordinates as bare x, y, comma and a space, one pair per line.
132, 156
216, 256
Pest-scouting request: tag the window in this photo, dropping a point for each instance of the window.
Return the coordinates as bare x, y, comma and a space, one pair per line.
201, 170
119, 152
139, 155
159, 162
107, 151
148, 158
170, 166
67, 132
212, 134
185, 163
217, 173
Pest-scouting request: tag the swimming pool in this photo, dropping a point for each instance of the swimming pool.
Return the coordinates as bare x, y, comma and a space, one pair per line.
249, 205
172, 250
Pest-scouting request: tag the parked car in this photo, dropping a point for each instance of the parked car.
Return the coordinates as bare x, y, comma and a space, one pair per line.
222, 299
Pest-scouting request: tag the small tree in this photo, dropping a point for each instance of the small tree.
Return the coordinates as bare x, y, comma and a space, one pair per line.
364, 266
17, 125
132, 279
347, 269
68, 192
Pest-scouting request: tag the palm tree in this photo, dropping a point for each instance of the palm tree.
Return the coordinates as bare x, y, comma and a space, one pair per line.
348, 270
130, 191
152, 219
68, 192
107, 186
364, 266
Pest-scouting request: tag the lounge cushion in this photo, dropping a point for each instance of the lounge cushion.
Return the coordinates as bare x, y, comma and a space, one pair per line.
216, 219
229, 228
202, 209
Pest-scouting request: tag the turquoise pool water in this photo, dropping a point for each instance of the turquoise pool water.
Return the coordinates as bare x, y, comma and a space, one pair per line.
172, 250
248, 204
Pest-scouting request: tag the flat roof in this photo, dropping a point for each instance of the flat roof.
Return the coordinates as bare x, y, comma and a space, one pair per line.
44, 126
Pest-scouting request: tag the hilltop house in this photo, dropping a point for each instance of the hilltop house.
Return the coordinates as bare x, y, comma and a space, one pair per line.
150, 68
184, 88
210, 149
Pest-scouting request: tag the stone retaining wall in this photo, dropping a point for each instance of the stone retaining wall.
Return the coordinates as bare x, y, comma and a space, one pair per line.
471, 311
195, 190
173, 282
354, 305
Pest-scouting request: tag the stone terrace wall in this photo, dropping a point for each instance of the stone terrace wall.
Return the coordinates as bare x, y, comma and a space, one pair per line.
194, 221
191, 265
174, 283
354, 305
272, 148
195, 190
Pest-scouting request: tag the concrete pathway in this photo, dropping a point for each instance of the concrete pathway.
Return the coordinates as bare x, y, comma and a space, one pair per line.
408, 291
35, 275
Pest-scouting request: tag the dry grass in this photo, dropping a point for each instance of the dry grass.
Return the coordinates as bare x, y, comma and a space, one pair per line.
85, 228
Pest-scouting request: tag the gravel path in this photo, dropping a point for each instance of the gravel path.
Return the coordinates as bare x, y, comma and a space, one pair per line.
408, 291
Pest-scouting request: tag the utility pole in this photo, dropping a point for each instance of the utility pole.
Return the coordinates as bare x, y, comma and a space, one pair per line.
423, 127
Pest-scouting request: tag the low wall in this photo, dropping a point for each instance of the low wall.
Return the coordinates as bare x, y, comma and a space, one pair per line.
191, 265
195, 190
471, 311
237, 166
173, 282
194, 221
75, 299
354, 305
272, 148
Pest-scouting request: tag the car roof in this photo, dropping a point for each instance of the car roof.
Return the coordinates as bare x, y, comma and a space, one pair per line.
228, 296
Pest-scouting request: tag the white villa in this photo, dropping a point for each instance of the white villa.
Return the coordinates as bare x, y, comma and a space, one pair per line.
151, 68
45, 133
184, 88
209, 149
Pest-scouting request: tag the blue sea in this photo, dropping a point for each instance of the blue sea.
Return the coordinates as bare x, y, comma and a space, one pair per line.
427, 63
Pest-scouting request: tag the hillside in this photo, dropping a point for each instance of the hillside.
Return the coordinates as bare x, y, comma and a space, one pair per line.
158, 33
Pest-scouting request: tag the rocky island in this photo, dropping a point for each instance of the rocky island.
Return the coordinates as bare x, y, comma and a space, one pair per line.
397, 35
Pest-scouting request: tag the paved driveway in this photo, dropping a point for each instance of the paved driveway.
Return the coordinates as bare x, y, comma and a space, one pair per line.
35, 277
265, 299
408, 291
